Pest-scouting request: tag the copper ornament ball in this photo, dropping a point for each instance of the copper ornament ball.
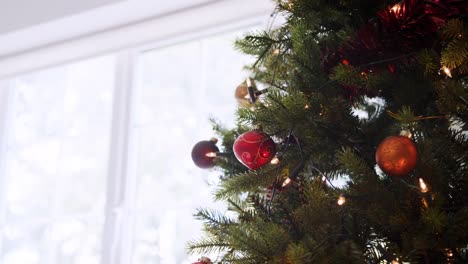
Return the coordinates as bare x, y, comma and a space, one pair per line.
396, 155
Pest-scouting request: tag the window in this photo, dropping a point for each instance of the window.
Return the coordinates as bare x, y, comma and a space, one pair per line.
54, 156
179, 87
95, 162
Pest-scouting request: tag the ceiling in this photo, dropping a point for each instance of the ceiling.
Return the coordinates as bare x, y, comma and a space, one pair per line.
18, 14
27, 25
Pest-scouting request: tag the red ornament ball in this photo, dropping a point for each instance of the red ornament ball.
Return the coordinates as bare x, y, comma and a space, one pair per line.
396, 156
200, 151
254, 149
203, 260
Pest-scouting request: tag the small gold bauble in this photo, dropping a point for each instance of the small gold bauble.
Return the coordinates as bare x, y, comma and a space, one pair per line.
242, 93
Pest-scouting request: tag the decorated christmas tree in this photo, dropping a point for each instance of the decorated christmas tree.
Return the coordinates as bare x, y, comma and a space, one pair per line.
351, 145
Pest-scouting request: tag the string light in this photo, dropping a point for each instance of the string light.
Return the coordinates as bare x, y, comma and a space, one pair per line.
395, 261
341, 200
211, 154
275, 161
423, 186
286, 182
406, 133
396, 8
306, 106
447, 71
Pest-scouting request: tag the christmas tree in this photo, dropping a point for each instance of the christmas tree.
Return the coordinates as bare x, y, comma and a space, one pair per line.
370, 93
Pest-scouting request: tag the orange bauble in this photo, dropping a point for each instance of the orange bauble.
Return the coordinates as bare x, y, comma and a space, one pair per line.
396, 156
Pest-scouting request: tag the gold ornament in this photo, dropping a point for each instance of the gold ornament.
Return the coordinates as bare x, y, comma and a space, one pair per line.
242, 92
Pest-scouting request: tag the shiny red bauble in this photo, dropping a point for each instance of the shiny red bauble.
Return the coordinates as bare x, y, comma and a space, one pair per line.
203, 260
254, 149
201, 153
396, 155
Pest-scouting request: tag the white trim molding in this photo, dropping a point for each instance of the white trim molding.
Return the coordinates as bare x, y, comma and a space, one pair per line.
206, 17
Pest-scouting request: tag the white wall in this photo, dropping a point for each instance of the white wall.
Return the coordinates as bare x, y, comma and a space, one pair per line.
122, 25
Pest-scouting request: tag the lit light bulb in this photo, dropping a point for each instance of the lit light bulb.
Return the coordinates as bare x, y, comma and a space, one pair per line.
396, 8
341, 200
395, 261
275, 161
306, 106
406, 133
447, 71
211, 154
276, 51
423, 186
286, 182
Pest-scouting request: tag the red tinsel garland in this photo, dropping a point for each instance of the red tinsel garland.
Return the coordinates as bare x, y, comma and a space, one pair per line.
393, 38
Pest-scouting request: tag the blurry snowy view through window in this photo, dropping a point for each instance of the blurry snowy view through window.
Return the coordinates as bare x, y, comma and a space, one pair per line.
179, 88
54, 156
55, 147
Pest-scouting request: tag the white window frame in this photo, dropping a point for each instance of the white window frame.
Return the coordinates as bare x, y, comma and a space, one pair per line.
216, 16
128, 43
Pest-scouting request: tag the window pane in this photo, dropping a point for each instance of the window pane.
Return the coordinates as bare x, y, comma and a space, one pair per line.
24, 243
180, 87
78, 242
56, 159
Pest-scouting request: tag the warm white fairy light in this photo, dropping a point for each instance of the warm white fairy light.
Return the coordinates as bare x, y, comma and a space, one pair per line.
275, 161
396, 8
447, 71
395, 261
306, 106
211, 154
423, 186
406, 133
286, 182
341, 200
